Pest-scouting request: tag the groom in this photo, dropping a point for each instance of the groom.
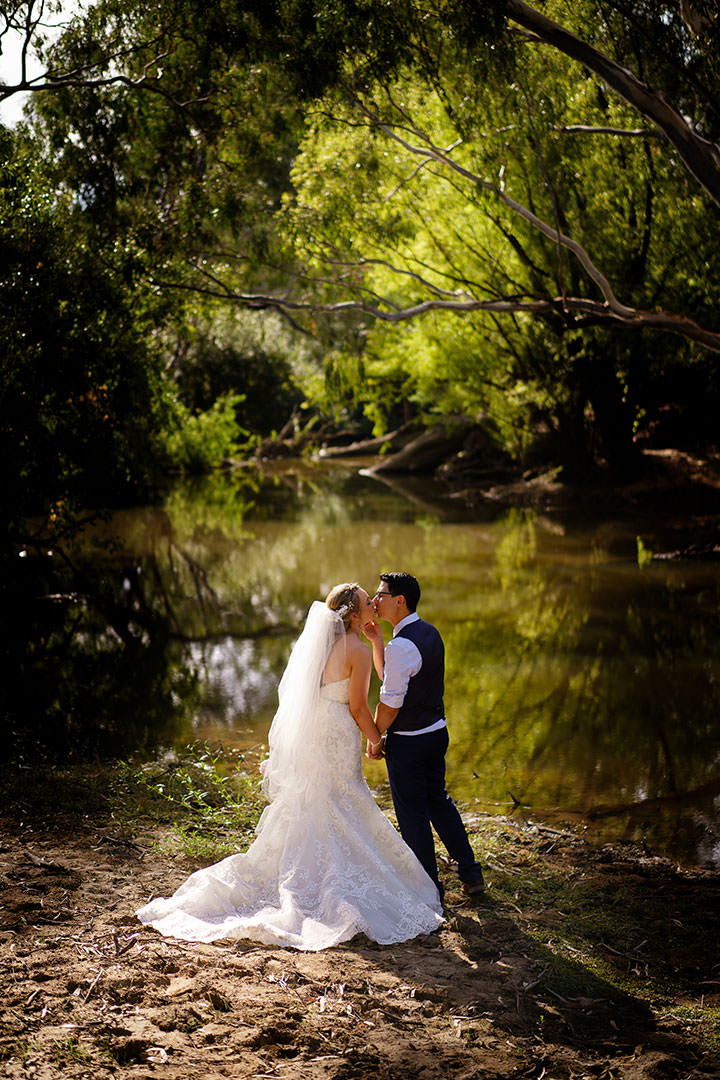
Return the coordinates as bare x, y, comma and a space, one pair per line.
411, 712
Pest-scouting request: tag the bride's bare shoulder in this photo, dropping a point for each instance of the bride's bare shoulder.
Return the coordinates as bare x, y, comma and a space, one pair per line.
358, 651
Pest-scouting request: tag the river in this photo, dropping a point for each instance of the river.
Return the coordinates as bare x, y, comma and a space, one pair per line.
583, 676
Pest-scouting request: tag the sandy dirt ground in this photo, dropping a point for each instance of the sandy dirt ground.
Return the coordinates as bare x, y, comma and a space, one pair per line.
88, 992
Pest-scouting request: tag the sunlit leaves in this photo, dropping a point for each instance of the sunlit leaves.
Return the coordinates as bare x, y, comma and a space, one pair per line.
386, 225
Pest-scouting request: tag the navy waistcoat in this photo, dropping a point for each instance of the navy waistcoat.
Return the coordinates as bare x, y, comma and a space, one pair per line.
423, 703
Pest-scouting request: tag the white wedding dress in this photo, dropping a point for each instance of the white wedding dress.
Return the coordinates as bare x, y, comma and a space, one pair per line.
326, 863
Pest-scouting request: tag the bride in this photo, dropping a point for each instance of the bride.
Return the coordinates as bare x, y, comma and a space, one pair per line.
326, 863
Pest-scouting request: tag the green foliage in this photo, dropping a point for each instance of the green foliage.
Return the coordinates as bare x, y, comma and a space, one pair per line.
254, 355
188, 154
203, 441
644, 554
406, 228
242, 154
82, 396
206, 791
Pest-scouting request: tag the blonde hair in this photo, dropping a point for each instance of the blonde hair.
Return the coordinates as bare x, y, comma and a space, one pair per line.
345, 600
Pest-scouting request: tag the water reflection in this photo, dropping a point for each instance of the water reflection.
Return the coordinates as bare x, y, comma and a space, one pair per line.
239, 679
89, 659
597, 685
579, 686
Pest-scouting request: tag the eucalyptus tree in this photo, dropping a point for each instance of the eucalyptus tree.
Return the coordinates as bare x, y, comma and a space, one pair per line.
550, 177
515, 190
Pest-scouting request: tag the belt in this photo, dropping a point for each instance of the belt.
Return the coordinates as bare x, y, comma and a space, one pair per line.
437, 726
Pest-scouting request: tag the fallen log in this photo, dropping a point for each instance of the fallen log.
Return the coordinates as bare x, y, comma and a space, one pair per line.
703, 552
429, 450
392, 440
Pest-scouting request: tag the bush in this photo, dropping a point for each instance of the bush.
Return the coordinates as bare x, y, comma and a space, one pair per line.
203, 441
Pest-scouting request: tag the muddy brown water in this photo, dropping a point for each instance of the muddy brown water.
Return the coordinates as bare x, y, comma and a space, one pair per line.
583, 675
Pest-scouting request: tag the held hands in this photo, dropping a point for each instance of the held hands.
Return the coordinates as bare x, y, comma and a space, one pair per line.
375, 750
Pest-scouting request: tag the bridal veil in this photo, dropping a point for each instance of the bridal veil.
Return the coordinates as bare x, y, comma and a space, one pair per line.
295, 764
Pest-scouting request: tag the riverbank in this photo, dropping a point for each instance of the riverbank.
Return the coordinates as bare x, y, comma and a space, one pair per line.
670, 481
578, 963
459, 452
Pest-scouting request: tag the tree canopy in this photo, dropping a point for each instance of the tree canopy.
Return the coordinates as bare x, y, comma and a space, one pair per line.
463, 205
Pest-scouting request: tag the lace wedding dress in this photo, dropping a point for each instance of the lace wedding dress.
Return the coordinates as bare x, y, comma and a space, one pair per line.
326, 863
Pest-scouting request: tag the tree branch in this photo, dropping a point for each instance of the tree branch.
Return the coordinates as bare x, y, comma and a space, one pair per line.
587, 129
86, 75
594, 311
35, 86
700, 156
552, 233
563, 306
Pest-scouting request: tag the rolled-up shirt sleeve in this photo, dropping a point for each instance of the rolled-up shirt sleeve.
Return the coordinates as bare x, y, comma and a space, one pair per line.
402, 661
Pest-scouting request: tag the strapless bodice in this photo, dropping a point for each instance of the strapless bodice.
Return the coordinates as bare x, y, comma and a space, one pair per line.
336, 691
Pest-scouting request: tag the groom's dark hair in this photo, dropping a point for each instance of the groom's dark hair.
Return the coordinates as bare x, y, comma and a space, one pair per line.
401, 584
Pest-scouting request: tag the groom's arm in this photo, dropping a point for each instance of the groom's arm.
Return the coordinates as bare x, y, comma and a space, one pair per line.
402, 660
384, 716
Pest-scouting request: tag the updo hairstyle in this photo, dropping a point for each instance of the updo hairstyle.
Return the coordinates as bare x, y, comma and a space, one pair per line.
345, 600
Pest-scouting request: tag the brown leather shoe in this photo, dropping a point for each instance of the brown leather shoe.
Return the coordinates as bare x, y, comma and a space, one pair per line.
474, 888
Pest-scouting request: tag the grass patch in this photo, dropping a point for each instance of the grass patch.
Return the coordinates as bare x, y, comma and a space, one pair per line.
704, 1019
209, 796
611, 923
205, 800
68, 1050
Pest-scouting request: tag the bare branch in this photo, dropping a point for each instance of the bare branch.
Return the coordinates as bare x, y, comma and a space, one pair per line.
575, 311
430, 151
627, 133
406, 180
595, 312
589, 312
254, 301
449, 293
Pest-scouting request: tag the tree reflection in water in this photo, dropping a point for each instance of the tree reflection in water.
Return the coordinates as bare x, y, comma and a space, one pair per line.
579, 685
91, 660
590, 692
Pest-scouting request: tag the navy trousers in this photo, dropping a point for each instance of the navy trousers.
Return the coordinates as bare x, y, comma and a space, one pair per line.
416, 771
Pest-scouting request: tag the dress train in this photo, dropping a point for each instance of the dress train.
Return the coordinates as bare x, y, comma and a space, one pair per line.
326, 864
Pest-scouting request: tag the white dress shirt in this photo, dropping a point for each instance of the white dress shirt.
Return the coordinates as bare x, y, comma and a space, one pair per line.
402, 661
